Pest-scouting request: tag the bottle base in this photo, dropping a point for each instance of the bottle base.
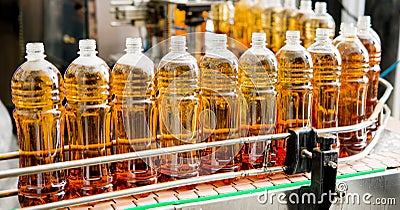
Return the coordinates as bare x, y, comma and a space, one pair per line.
32, 199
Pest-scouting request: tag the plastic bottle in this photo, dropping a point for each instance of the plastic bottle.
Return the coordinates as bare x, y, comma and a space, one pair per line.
178, 106
255, 19
240, 22
353, 92
257, 80
133, 116
373, 46
272, 24
294, 89
222, 15
39, 117
219, 119
289, 14
326, 85
303, 15
321, 19
88, 120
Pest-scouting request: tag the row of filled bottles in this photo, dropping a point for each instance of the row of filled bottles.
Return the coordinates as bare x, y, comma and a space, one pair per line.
185, 101
273, 18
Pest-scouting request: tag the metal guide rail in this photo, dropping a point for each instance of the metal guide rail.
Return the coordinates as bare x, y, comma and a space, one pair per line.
299, 165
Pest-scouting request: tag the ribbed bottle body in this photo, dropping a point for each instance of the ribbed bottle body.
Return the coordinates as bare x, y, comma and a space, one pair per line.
178, 106
88, 119
39, 117
134, 119
257, 80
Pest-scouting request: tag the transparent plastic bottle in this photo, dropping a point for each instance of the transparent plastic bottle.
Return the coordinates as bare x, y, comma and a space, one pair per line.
178, 106
257, 80
219, 119
326, 85
255, 19
272, 23
321, 19
39, 117
240, 22
353, 92
222, 15
133, 116
373, 46
294, 90
303, 15
88, 119
289, 14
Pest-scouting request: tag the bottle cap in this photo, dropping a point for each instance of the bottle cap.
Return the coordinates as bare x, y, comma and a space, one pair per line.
348, 29
364, 22
219, 39
293, 35
133, 44
178, 40
320, 7
323, 32
87, 44
290, 4
305, 5
258, 37
34, 48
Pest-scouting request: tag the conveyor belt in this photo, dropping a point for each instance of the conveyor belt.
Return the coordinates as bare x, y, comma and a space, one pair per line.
378, 163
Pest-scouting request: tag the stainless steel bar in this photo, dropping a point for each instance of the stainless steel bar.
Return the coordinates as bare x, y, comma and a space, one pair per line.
135, 155
151, 188
8, 193
9, 155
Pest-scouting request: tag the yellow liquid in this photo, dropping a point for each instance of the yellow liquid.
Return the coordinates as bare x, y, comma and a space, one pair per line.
374, 52
294, 95
178, 104
221, 14
254, 20
272, 24
88, 124
300, 21
352, 99
326, 88
39, 117
219, 118
289, 22
310, 28
257, 79
134, 117
240, 31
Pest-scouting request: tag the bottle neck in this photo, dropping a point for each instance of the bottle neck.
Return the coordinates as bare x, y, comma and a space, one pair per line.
178, 48
291, 42
35, 56
133, 50
87, 53
324, 39
258, 45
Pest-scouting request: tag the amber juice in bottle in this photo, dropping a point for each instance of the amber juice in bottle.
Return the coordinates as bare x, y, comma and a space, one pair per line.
240, 22
321, 19
326, 85
294, 90
219, 119
255, 18
353, 92
272, 24
88, 121
303, 15
257, 80
373, 46
134, 116
289, 14
178, 106
39, 117
222, 15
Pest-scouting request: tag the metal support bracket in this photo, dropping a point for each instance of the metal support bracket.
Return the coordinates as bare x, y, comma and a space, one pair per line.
323, 176
298, 145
